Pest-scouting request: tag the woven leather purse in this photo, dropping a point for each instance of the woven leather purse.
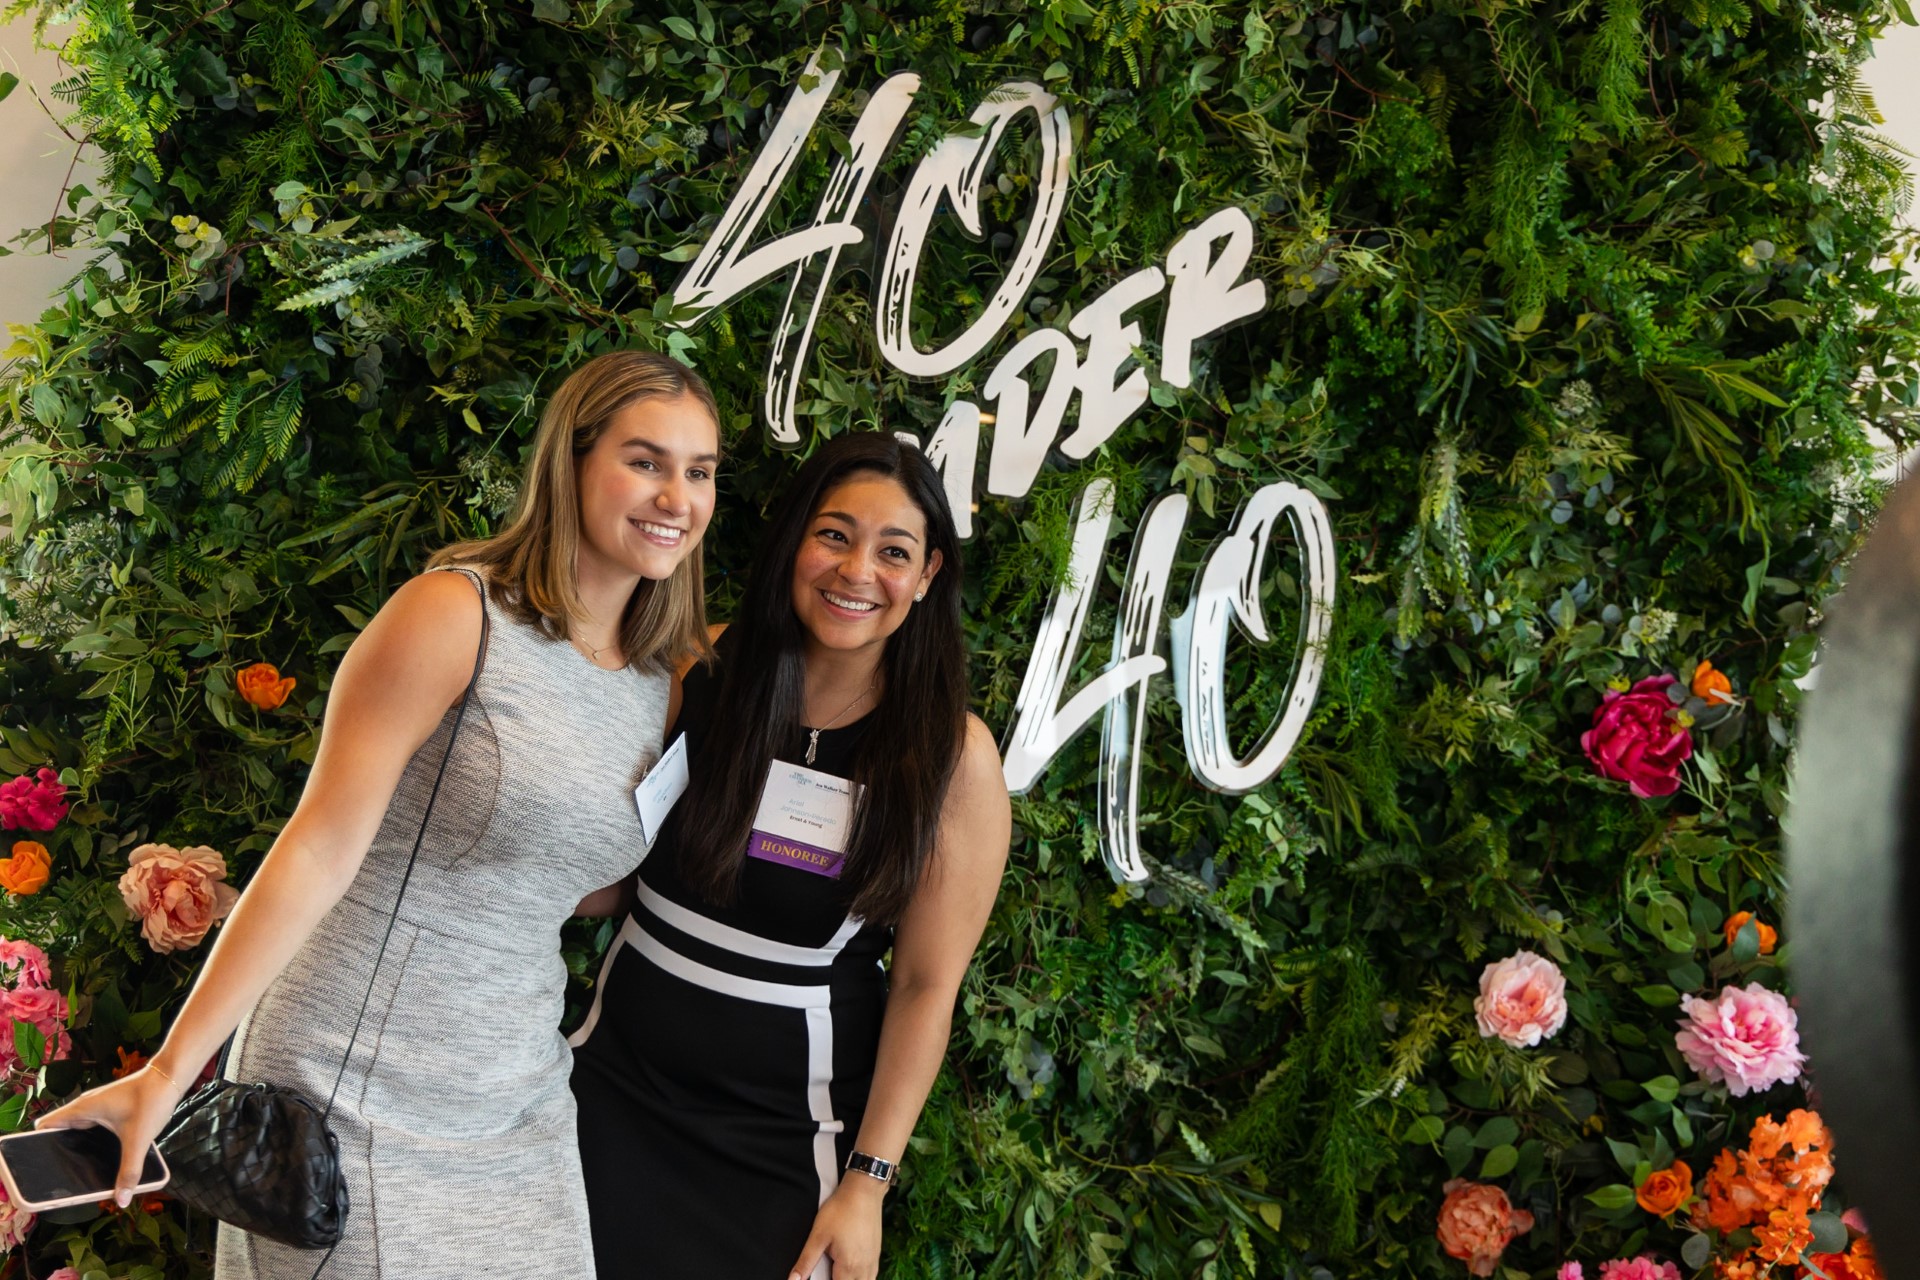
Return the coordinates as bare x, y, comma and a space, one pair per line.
261, 1157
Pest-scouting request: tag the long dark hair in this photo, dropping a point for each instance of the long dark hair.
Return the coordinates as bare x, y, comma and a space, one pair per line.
912, 743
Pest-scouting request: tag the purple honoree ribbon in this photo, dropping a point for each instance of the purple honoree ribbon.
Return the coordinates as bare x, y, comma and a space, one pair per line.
794, 853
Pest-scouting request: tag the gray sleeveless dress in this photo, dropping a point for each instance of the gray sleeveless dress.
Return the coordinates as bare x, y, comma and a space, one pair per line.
456, 1124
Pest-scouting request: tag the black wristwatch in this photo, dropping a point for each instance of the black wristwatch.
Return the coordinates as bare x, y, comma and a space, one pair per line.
873, 1166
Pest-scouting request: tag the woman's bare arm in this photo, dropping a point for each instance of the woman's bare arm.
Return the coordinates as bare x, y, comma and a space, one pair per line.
932, 947
392, 689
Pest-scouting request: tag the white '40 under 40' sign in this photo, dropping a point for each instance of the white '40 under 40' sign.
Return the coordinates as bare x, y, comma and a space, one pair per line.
1204, 292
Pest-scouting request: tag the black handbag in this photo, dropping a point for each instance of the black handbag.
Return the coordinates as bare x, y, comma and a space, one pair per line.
261, 1157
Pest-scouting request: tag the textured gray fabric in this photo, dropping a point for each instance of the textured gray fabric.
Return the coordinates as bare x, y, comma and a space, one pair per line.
455, 1121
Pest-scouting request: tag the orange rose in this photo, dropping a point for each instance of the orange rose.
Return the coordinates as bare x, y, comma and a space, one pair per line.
1664, 1192
27, 870
262, 685
1739, 919
1711, 685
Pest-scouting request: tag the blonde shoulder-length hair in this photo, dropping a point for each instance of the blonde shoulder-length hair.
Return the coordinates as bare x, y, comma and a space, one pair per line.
530, 563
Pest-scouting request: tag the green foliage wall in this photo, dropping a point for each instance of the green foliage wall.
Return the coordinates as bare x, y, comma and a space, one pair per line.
1579, 326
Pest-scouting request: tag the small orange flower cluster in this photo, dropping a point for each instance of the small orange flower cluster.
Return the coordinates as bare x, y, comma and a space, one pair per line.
1770, 1188
1857, 1263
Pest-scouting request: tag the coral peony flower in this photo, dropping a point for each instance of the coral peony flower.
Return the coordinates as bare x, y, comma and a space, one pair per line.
1747, 1038
1636, 740
1477, 1222
176, 894
14, 1224
27, 870
262, 685
1711, 685
1665, 1192
34, 803
23, 965
1643, 1267
1739, 919
1522, 1000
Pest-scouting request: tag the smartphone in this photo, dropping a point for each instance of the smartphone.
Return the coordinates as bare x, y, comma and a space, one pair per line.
54, 1168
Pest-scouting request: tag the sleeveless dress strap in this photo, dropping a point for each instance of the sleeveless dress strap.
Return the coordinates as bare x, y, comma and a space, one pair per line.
486, 619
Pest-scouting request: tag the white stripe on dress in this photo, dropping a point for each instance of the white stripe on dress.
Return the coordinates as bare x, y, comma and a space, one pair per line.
742, 943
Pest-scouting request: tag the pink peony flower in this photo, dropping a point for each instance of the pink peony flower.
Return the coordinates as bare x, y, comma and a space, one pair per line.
1570, 1271
1477, 1222
1644, 1267
64, 1273
46, 1010
1523, 999
14, 1224
1747, 1038
33, 804
176, 894
23, 965
1635, 739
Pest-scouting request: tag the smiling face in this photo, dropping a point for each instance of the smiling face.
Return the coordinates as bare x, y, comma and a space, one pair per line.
646, 488
861, 560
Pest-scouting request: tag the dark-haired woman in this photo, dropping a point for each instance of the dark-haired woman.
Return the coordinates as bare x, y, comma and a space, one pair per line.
748, 1075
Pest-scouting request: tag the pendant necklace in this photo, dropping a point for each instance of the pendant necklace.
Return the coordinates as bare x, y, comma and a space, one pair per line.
593, 654
813, 735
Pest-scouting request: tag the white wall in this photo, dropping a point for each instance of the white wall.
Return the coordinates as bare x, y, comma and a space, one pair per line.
34, 155
1894, 76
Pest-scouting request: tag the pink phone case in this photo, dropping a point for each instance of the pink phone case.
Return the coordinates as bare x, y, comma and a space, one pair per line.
88, 1197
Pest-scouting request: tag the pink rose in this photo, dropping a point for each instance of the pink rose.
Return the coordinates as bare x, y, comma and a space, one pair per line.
14, 1224
1635, 739
1747, 1038
46, 1010
1569, 1271
23, 964
1643, 1267
64, 1273
1477, 1222
33, 804
176, 894
1523, 999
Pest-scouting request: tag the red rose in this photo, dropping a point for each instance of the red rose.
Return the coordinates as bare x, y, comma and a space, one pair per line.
1636, 740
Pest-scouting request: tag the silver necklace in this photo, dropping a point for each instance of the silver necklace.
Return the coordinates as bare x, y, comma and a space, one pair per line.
813, 735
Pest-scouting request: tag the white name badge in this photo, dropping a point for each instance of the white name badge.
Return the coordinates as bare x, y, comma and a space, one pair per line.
664, 784
804, 819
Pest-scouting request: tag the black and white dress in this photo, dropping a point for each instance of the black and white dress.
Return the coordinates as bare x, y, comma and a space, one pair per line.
723, 1069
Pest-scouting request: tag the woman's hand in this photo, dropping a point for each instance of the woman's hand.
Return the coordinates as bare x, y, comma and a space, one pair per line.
136, 1108
847, 1230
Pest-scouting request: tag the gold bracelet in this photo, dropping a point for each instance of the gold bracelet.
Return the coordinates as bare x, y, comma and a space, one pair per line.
161, 1071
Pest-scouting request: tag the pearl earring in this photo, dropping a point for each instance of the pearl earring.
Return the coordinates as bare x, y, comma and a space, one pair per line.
919, 595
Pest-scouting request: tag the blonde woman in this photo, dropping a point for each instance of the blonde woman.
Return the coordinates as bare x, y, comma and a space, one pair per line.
456, 1125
